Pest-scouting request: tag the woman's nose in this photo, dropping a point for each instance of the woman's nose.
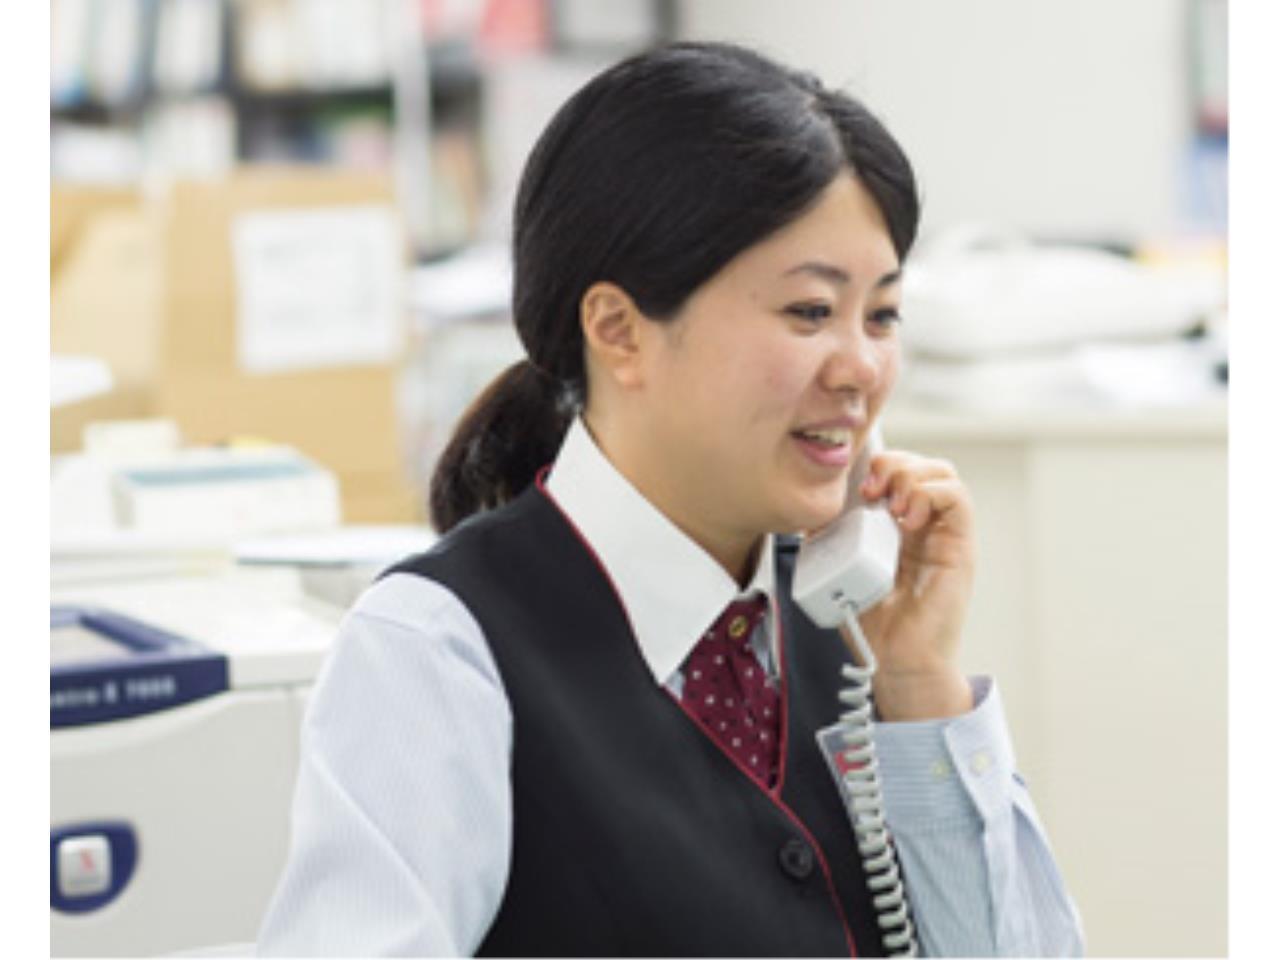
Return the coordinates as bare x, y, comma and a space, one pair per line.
855, 364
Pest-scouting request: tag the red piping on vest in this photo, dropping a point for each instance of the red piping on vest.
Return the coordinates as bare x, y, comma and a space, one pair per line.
774, 794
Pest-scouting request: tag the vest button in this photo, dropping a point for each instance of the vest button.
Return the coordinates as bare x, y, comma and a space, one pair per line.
796, 858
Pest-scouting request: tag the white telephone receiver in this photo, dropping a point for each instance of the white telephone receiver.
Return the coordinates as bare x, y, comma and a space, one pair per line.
854, 559
841, 571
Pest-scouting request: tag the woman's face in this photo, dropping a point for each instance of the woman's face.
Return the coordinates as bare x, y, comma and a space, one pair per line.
766, 382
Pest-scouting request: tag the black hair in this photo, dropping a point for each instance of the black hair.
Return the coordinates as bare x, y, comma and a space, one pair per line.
653, 176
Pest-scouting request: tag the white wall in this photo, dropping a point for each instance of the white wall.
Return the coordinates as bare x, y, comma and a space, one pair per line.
1059, 116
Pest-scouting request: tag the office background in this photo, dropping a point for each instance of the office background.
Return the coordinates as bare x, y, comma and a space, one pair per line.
1045, 130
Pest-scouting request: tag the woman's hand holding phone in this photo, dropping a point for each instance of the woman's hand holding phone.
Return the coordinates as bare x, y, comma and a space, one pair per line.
915, 630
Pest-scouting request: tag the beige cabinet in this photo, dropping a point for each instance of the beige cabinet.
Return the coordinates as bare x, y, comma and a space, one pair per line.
1101, 607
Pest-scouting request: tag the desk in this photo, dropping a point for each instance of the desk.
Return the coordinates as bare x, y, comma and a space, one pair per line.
1101, 606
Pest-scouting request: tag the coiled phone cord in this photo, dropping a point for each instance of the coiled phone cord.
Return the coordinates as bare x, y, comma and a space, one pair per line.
866, 807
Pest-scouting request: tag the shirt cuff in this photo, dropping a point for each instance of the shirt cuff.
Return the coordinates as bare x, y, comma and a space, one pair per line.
955, 768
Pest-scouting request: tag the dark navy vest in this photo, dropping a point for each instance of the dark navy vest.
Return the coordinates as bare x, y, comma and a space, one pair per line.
634, 834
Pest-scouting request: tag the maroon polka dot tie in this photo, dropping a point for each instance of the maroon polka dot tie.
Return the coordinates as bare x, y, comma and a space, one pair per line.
725, 687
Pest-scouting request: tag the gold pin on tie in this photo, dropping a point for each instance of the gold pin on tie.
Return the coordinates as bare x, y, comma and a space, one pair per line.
738, 626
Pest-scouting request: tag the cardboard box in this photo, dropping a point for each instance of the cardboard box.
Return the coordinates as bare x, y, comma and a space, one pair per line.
151, 289
67, 423
106, 298
106, 277
73, 206
342, 416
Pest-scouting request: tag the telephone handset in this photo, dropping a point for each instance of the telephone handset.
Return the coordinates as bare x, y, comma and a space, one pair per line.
841, 571
854, 559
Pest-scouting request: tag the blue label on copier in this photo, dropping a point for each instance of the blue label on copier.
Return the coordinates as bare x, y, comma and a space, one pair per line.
105, 666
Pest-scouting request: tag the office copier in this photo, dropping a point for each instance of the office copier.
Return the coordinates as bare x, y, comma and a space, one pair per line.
175, 710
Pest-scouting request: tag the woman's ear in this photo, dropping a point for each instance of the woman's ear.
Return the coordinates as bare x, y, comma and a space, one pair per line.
613, 332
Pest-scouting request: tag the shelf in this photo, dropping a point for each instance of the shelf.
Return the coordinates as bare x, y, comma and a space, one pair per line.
95, 114
304, 100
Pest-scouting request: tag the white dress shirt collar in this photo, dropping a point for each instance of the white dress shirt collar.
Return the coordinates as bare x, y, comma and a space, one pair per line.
671, 588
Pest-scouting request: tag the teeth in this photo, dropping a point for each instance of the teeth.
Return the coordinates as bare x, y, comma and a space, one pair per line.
837, 437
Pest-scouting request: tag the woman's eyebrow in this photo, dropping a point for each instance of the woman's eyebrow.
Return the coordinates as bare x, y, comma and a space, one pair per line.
824, 271
838, 276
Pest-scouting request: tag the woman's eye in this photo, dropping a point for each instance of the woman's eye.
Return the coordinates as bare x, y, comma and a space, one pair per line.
887, 317
811, 312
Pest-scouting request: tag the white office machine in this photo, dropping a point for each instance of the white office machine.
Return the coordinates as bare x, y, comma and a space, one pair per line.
134, 476
175, 709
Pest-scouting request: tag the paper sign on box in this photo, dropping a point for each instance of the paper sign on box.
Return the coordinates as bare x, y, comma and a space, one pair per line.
317, 288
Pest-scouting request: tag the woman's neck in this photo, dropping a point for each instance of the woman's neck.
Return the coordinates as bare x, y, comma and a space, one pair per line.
737, 554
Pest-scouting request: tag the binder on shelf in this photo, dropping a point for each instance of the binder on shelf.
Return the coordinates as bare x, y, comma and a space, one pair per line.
267, 52
120, 45
190, 137
190, 46
345, 43
321, 45
68, 44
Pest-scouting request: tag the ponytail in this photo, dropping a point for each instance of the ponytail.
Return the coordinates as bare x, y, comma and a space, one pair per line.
509, 432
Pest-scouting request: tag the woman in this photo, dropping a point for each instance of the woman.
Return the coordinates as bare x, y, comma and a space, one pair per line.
591, 720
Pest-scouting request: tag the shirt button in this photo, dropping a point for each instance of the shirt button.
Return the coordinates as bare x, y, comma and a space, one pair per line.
940, 770
796, 859
980, 763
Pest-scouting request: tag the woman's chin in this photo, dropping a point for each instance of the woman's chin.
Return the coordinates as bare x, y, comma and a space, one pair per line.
815, 512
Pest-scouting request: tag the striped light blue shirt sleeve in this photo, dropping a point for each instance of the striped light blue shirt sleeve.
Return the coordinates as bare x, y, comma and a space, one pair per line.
980, 874
401, 820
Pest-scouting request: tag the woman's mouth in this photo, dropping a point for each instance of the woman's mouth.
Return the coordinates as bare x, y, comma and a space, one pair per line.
828, 447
